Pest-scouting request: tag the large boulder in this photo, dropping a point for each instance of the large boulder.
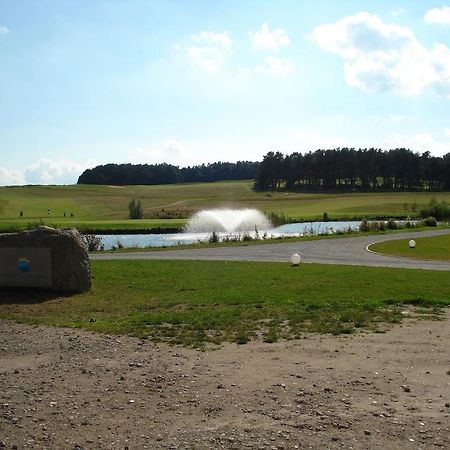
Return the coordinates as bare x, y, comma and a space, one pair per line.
45, 258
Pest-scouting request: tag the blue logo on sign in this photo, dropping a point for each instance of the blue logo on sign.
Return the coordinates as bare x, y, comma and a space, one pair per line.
24, 264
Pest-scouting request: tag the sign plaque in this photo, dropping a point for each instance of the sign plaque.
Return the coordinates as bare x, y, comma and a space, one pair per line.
25, 267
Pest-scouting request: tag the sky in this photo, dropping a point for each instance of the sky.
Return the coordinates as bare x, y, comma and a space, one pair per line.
187, 82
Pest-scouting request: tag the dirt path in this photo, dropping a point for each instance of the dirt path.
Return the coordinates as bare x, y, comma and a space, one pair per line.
346, 250
70, 389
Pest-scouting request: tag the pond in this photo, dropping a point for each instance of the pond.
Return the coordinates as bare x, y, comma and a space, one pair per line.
170, 240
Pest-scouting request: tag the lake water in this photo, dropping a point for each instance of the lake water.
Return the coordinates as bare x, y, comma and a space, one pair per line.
170, 240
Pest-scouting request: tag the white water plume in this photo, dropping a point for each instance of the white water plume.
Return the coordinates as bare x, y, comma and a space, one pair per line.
228, 221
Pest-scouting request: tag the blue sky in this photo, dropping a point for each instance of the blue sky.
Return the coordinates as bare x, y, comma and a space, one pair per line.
190, 81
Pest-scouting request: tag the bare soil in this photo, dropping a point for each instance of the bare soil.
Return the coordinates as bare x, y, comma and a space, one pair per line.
71, 389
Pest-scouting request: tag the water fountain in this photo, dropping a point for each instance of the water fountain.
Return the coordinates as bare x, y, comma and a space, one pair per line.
228, 221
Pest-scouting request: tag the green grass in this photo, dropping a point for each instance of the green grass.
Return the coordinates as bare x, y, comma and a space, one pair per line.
195, 302
96, 225
436, 247
88, 225
106, 207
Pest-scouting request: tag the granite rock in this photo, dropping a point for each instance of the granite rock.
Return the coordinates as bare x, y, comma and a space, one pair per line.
68, 260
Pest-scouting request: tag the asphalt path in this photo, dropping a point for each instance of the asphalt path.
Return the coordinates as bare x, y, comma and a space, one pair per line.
345, 250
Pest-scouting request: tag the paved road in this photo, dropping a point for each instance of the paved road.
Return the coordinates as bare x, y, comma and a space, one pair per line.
347, 250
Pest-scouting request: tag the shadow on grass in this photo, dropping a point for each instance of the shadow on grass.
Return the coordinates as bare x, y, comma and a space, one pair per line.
23, 296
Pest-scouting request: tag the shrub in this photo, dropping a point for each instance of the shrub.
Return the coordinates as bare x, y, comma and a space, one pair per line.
430, 221
135, 210
35, 224
392, 224
364, 225
374, 226
278, 219
93, 242
214, 238
119, 245
438, 210
377, 225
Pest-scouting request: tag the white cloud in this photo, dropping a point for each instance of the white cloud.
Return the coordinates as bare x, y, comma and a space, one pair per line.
4, 30
420, 142
47, 171
385, 57
269, 40
275, 67
211, 50
10, 177
170, 151
447, 132
438, 15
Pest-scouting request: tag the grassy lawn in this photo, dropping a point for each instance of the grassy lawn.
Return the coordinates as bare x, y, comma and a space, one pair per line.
436, 247
106, 207
88, 225
193, 302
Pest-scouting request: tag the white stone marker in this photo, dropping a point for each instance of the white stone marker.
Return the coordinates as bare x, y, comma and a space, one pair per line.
296, 259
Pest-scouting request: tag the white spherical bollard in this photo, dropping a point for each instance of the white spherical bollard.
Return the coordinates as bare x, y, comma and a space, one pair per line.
296, 259
412, 243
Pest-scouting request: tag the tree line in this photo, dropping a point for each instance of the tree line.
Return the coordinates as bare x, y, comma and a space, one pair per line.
126, 174
340, 169
348, 169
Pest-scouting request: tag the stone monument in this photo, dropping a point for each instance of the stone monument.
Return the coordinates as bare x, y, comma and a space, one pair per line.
45, 258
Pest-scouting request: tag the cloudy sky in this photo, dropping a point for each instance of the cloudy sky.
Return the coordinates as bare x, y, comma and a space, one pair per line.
191, 81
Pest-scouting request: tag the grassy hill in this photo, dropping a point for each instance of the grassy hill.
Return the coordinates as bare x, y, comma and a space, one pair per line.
106, 207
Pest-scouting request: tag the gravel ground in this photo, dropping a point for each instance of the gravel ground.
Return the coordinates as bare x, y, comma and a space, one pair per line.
71, 389
346, 250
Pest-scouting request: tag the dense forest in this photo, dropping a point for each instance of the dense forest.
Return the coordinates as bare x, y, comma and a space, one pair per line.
348, 169
341, 169
121, 174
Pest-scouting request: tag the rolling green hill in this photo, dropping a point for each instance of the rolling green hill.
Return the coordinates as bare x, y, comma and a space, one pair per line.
106, 207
